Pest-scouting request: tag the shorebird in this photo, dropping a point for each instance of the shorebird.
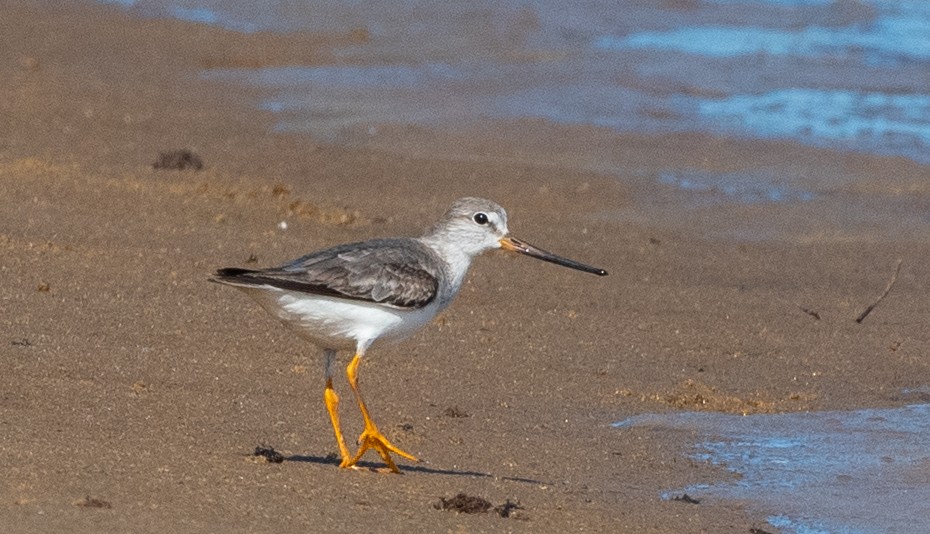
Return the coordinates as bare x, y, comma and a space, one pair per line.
351, 296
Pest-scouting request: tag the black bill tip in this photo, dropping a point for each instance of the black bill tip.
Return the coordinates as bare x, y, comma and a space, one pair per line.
515, 245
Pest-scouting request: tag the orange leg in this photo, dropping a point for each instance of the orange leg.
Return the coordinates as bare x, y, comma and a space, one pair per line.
332, 406
371, 437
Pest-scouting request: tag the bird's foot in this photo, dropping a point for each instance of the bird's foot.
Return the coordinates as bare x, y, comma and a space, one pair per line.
372, 438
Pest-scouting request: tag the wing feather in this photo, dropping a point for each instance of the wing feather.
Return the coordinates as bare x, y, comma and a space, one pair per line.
395, 272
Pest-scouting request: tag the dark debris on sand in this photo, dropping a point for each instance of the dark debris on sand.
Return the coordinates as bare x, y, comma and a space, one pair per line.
179, 160
464, 504
469, 504
684, 497
509, 509
93, 502
269, 454
455, 412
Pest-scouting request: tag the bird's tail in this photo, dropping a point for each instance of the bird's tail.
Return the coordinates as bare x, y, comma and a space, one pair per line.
233, 276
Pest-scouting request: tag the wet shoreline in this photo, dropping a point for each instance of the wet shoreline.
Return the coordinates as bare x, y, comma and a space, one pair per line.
838, 75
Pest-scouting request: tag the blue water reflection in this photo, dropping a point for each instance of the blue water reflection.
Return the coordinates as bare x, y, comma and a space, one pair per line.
898, 35
857, 471
897, 121
742, 187
851, 75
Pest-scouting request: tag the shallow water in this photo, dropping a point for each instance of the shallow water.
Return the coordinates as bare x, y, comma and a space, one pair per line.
851, 75
746, 187
863, 471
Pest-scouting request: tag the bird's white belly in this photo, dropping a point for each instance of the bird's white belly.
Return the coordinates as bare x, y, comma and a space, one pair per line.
340, 323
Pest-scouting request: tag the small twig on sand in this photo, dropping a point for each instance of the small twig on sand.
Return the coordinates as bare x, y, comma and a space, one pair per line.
813, 313
894, 278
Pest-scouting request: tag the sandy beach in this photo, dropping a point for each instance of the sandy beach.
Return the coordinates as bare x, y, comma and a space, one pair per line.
133, 392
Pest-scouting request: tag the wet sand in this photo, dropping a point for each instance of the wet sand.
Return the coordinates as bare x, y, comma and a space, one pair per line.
133, 392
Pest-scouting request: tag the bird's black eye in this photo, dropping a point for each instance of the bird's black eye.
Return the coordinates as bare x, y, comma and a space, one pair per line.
481, 218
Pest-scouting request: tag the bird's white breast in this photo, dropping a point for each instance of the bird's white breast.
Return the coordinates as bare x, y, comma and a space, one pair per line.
341, 323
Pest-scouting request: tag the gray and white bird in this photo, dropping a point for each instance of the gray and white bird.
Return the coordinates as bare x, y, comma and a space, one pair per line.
351, 296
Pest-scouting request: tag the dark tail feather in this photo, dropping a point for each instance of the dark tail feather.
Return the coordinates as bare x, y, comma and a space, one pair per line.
230, 274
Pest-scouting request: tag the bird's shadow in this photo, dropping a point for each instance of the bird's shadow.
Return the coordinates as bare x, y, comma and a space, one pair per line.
416, 468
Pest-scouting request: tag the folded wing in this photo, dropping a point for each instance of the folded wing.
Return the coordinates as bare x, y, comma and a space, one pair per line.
393, 272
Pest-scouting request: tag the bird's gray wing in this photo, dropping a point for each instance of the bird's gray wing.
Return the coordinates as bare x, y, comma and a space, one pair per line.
395, 272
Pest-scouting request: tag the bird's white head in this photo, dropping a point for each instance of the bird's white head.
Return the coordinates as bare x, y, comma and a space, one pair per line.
472, 226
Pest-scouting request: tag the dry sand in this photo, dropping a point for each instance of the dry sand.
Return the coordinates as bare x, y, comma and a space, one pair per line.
133, 392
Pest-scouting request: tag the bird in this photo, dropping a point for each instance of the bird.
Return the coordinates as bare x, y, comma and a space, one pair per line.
352, 296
